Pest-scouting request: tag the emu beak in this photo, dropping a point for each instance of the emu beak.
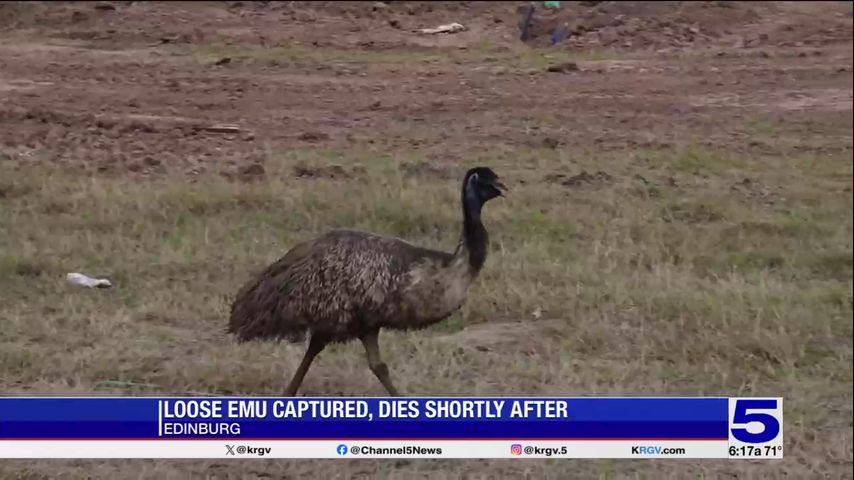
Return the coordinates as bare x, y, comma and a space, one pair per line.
502, 190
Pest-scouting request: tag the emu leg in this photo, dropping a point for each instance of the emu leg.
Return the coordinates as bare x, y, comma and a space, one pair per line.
372, 349
315, 346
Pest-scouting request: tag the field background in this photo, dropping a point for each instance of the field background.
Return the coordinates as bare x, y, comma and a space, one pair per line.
679, 220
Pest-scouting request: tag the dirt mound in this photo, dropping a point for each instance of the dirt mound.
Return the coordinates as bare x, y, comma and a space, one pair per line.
680, 24
362, 9
334, 171
379, 25
426, 169
319, 24
597, 178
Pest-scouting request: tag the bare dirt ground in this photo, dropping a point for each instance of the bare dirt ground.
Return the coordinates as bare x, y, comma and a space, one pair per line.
679, 221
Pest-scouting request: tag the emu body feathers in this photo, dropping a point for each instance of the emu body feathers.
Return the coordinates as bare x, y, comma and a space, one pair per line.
346, 282
350, 284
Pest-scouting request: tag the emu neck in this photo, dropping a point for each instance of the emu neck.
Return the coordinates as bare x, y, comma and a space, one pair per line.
475, 238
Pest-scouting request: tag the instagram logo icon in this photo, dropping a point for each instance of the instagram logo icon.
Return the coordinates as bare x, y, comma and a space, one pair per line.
516, 449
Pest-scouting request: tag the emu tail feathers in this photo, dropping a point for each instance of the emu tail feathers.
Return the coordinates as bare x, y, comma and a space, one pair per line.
257, 313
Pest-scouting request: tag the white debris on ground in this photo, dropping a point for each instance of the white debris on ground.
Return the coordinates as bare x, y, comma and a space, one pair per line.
447, 28
84, 281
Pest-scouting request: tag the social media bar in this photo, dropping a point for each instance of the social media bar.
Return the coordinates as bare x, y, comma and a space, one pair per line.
373, 449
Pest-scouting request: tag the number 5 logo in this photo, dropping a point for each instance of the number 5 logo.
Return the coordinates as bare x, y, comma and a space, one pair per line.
748, 411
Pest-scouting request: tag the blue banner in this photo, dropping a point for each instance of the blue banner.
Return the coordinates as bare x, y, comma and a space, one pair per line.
364, 418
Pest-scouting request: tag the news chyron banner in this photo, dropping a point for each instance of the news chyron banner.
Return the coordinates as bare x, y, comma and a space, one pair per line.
735, 428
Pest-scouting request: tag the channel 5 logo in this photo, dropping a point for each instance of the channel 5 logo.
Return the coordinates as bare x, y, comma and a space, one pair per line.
516, 449
755, 420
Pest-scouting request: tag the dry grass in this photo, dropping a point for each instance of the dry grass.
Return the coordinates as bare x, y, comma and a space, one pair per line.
336, 58
689, 281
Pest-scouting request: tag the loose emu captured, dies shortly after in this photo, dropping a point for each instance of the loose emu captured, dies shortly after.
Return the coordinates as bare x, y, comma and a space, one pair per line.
350, 284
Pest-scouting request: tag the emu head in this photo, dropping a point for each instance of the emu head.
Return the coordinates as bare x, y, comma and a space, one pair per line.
481, 185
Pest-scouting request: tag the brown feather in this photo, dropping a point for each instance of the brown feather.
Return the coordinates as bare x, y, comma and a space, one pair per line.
347, 281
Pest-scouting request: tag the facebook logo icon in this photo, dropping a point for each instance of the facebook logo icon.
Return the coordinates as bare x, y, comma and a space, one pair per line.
342, 449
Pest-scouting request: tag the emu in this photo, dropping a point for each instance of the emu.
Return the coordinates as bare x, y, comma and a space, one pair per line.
349, 284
